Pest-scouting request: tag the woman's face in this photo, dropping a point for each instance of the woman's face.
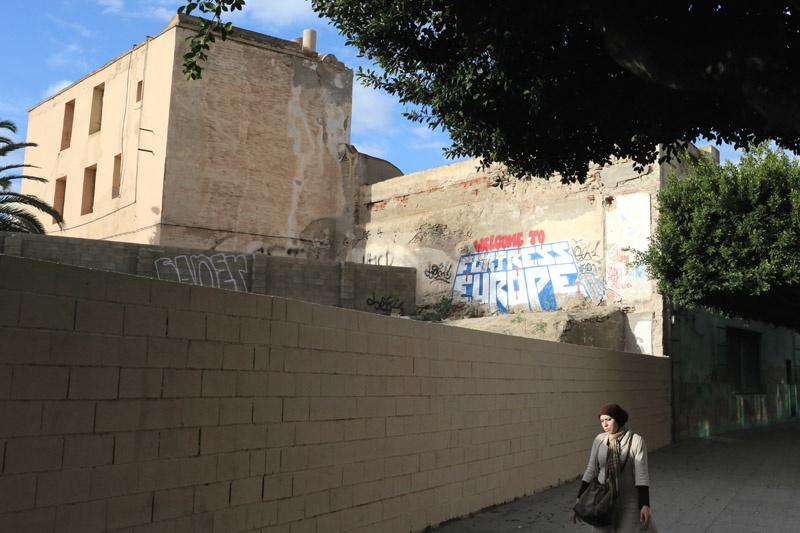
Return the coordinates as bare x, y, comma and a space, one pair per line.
608, 423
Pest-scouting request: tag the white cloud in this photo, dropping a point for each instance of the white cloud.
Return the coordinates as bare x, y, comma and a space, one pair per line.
71, 56
374, 111
424, 138
74, 28
280, 13
54, 88
375, 147
111, 6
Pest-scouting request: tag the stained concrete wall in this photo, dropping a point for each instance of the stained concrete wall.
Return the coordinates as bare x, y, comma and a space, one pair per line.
532, 245
705, 401
134, 404
353, 286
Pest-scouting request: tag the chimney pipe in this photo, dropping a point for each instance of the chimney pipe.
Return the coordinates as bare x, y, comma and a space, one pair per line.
310, 40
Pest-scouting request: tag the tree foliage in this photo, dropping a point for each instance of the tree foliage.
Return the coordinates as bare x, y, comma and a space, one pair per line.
545, 87
727, 238
15, 212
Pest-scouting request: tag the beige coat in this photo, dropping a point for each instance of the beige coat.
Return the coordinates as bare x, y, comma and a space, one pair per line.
626, 506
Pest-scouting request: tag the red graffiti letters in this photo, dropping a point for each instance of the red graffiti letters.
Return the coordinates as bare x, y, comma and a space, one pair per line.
513, 240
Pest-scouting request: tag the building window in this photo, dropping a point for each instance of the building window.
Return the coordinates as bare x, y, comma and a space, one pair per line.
87, 201
66, 128
61, 194
139, 88
117, 178
743, 358
96, 118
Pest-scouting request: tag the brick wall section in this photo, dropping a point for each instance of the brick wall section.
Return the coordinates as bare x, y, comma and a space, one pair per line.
348, 285
138, 405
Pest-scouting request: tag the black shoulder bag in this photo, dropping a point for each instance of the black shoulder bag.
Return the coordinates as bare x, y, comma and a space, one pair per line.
596, 505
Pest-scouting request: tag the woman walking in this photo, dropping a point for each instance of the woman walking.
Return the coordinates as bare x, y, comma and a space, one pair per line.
619, 457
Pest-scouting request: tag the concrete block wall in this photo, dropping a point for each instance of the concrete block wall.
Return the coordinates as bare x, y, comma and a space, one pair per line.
138, 405
382, 290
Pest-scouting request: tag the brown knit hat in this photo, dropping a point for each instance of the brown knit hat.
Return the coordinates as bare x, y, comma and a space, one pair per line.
616, 412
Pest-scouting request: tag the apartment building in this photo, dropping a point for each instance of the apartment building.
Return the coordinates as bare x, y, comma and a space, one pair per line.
249, 158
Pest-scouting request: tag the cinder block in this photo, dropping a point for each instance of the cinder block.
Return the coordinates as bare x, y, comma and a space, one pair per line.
205, 355
214, 440
234, 465
252, 383
93, 383
318, 503
140, 382
114, 480
251, 436
39, 383
159, 475
241, 304
235, 411
277, 486
311, 336
246, 490
238, 356
222, 328
230, 520
167, 353
99, 317
262, 514
17, 493
186, 324
128, 289
129, 415
82, 517
279, 435
267, 409
9, 311
33, 521
182, 383
88, 450
295, 409
254, 330
170, 295
284, 334
300, 312
89, 349
219, 383
200, 412
178, 443
20, 419
320, 409
44, 311
129, 511
173, 503
33, 454
197, 470
64, 486
207, 300
134, 447
145, 321
212, 496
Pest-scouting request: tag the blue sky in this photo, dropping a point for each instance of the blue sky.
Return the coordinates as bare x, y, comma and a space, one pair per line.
49, 44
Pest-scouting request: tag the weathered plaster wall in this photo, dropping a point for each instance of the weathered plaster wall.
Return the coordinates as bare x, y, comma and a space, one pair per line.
705, 402
531, 245
255, 149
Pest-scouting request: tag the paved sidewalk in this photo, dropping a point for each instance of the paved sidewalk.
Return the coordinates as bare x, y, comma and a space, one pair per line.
740, 482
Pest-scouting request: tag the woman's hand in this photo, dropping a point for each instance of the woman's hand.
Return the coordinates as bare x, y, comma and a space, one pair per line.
644, 516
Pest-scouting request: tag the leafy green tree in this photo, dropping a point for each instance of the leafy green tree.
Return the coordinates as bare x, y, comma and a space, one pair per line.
15, 214
545, 87
727, 237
